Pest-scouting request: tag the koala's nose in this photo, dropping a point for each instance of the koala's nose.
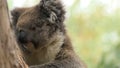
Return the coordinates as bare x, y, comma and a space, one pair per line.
22, 36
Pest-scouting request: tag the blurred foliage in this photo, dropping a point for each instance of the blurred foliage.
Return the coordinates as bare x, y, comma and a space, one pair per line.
111, 59
94, 32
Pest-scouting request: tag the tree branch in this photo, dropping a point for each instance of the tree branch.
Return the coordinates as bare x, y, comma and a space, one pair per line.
10, 56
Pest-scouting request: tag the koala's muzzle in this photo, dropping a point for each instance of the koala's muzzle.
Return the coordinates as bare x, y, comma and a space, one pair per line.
22, 37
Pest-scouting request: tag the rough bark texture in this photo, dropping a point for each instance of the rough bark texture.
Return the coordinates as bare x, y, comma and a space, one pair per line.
10, 56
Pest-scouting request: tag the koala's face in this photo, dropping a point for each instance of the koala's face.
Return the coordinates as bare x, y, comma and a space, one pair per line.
39, 25
35, 28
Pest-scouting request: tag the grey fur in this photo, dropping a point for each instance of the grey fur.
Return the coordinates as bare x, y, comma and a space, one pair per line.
42, 37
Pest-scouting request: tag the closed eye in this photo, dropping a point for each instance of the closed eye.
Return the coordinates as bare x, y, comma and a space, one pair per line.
32, 27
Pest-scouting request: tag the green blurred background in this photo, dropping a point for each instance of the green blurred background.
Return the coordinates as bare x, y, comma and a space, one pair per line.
94, 28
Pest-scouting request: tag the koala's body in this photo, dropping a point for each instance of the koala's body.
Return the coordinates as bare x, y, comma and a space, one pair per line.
42, 37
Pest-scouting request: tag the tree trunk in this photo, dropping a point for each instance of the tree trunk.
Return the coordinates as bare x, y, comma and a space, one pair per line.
10, 56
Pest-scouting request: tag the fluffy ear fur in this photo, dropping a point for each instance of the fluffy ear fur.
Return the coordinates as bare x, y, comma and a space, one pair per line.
53, 9
15, 15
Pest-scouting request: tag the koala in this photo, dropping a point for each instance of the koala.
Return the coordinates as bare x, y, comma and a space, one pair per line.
42, 37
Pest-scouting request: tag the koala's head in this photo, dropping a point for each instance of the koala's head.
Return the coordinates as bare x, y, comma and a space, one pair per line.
39, 25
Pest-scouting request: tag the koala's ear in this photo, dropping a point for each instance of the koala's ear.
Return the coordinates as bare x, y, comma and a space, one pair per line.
47, 8
16, 14
53, 17
53, 9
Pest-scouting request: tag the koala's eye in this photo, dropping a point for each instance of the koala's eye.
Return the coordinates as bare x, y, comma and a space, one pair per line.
20, 30
32, 28
48, 24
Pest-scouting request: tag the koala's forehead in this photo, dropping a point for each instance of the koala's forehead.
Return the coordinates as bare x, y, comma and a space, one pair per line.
29, 16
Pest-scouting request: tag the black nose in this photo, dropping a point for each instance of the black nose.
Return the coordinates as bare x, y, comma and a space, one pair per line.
22, 37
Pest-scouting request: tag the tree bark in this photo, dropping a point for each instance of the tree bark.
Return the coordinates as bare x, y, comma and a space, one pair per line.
10, 56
